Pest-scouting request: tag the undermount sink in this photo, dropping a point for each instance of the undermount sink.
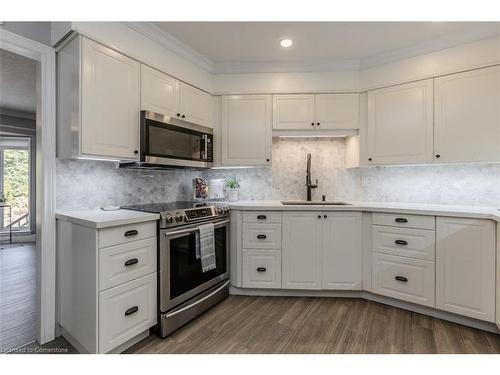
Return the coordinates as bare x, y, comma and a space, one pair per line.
314, 203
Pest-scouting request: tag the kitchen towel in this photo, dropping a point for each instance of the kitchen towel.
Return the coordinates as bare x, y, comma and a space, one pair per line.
205, 247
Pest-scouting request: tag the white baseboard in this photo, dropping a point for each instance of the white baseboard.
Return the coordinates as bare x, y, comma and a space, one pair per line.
444, 315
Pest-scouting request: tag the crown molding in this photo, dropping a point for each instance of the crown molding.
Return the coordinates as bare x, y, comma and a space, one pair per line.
447, 41
168, 41
286, 66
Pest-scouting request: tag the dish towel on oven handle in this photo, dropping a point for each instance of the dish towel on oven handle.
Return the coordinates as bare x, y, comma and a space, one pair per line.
205, 247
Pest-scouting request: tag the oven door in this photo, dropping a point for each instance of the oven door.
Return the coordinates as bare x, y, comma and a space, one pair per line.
172, 142
181, 277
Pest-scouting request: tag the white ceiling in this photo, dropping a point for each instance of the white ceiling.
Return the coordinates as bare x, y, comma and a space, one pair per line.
235, 44
17, 82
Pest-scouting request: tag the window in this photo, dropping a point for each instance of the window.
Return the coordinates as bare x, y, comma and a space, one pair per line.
15, 180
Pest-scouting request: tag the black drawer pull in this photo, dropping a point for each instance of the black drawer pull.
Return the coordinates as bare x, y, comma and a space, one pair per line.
261, 236
401, 278
261, 269
401, 242
132, 310
261, 217
401, 220
131, 262
130, 233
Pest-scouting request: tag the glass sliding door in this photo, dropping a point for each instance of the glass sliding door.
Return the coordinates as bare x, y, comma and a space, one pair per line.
15, 178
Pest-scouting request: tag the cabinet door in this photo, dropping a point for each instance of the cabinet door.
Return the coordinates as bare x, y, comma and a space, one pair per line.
195, 105
467, 118
246, 130
498, 274
294, 111
465, 267
110, 103
301, 250
341, 249
400, 129
337, 111
159, 92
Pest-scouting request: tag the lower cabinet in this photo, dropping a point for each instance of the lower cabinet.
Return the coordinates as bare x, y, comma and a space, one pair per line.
411, 280
465, 267
321, 250
262, 269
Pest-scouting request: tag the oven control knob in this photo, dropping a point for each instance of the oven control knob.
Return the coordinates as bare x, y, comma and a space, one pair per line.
169, 218
178, 216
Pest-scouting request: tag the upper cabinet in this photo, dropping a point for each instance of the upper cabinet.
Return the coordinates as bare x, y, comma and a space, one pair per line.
293, 112
195, 105
467, 116
400, 124
166, 95
159, 92
98, 102
316, 112
246, 130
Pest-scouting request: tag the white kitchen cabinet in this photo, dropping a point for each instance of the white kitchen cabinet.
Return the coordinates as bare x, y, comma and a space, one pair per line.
293, 112
467, 116
246, 130
400, 124
301, 251
465, 267
498, 275
160, 93
321, 250
195, 105
262, 269
98, 102
341, 250
316, 112
337, 111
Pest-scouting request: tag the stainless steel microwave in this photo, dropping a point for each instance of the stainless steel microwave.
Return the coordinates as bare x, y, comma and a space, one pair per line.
167, 142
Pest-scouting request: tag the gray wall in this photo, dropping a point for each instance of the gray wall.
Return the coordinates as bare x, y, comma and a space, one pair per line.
39, 31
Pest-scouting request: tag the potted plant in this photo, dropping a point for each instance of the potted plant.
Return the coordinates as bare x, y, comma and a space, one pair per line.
232, 186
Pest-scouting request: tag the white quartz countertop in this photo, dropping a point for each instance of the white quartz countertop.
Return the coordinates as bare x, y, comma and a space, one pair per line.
477, 212
98, 218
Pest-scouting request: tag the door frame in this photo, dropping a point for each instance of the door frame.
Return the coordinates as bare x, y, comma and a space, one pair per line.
45, 176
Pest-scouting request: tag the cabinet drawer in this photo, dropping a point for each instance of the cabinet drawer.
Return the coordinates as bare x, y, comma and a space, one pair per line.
261, 217
411, 280
404, 220
261, 236
126, 233
262, 269
406, 242
121, 263
126, 311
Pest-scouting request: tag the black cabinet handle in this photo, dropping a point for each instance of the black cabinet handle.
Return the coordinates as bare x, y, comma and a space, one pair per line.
267, 160
261, 236
178, 114
325, 216
132, 310
131, 262
400, 220
401, 242
319, 216
261, 269
183, 116
369, 159
318, 124
438, 156
312, 123
136, 151
130, 233
401, 278
261, 217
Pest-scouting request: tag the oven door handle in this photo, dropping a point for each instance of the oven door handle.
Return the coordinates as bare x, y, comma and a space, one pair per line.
174, 233
187, 307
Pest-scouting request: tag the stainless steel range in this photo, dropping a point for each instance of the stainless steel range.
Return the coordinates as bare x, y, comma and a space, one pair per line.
184, 291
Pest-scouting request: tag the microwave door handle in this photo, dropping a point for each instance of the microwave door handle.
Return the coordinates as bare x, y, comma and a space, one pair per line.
204, 137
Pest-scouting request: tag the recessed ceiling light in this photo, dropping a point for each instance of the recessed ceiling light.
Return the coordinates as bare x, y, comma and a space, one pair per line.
285, 43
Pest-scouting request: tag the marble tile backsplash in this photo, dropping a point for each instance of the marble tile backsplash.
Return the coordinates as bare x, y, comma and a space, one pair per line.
85, 184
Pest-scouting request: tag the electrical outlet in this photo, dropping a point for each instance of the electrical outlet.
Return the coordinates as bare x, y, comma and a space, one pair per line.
366, 181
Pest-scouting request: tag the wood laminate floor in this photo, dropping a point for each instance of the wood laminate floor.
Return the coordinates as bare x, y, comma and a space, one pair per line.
309, 325
17, 296
317, 325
